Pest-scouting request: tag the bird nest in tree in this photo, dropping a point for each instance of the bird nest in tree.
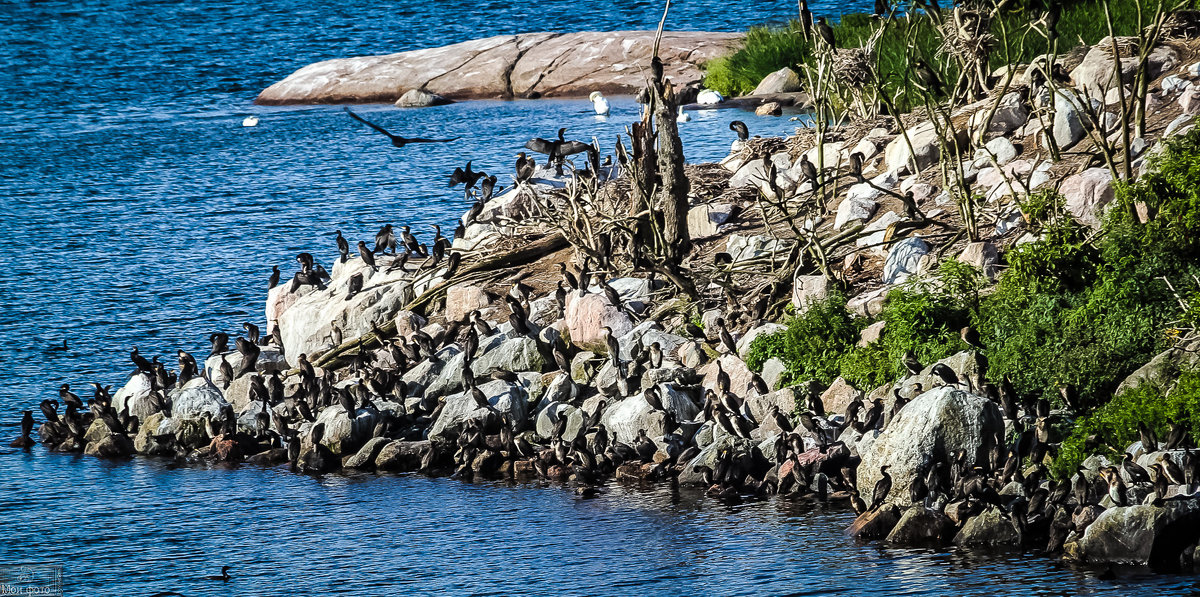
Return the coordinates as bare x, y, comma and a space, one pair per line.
852, 66
968, 36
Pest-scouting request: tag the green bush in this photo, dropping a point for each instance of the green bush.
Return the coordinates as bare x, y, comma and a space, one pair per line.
1114, 426
822, 343
926, 321
812, 344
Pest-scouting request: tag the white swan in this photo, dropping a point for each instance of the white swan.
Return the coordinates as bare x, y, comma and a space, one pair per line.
599, 103
250, 121
683, 116
709, 97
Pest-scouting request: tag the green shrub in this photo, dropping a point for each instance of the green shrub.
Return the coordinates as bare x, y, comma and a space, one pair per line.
1114, 426
764, 51
1089, 313
924, 320
822, 343
813, 342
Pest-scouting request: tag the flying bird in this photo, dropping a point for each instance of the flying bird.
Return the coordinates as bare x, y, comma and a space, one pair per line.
397, 140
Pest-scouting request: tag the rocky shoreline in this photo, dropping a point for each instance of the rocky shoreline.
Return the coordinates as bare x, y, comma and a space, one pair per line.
524, 348
527, 65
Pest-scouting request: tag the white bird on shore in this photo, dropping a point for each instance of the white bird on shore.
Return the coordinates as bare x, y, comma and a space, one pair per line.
250, 121
599, 103
709, 97
683, 116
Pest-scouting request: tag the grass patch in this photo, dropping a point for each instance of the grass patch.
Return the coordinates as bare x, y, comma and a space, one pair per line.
768, 49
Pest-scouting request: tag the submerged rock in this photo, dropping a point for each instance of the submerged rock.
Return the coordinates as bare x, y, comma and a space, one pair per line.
875, 524
921, 526
416, 98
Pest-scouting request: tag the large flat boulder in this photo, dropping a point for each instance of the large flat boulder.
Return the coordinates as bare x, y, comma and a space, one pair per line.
505, 66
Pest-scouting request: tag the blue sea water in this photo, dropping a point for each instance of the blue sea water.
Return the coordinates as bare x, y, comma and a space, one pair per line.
136, 210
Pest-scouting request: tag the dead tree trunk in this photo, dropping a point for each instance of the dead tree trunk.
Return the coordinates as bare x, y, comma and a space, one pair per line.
673, 188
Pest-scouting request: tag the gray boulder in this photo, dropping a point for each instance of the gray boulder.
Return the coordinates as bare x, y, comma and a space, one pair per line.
549, 417
270, 358
343, 434
743, 450
760, 404
921, 526
561, 389
510, 354
135, 396
503, 397
1087, 194
1070, 125
625, 418
1011, 114
306, 323
1097, 72
991, 528
784, 80
807, 290
366, 455
198, 398
875, 524
925, 148
905, 259
416, 98
1139, 535
401, 456
932, 427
